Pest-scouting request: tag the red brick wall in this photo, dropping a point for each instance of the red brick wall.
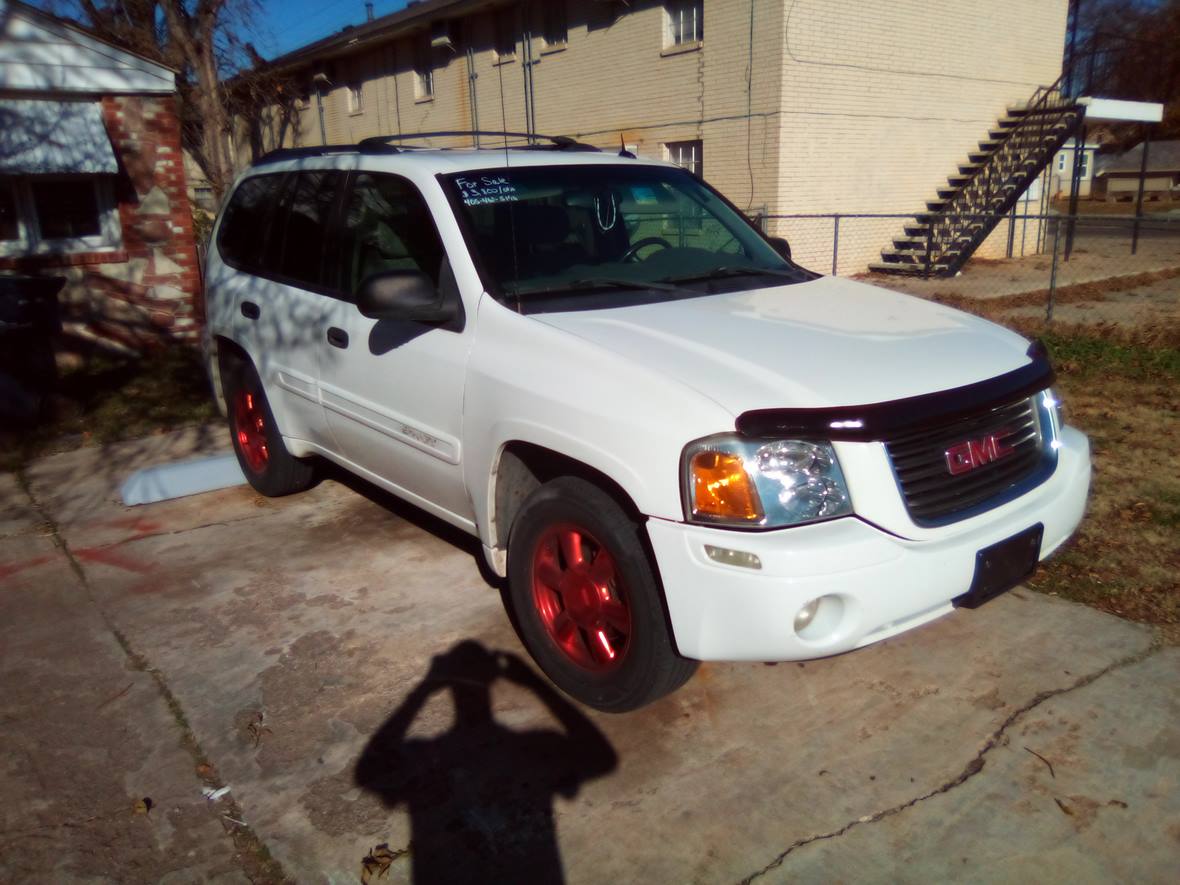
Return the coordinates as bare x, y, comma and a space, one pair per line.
154, 215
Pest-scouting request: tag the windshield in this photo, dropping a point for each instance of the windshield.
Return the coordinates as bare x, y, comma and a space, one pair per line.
611, 233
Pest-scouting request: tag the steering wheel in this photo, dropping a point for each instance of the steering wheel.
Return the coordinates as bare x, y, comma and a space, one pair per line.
632, 253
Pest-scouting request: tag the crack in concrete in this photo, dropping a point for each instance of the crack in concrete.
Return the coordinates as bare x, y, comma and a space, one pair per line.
974, 766
146, 536
264, 868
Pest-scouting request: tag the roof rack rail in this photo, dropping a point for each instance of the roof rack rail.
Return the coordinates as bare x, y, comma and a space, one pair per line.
295, 153
378, 143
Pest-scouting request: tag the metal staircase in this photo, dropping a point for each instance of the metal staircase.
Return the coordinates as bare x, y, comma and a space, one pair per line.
939, 241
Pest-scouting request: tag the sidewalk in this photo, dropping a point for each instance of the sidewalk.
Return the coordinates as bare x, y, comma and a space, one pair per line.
87, 734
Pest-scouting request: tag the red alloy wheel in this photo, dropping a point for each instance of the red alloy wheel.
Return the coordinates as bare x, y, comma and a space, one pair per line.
577, 591
250, 429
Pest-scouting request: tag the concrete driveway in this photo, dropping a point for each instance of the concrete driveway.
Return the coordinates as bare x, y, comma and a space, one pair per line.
340, 662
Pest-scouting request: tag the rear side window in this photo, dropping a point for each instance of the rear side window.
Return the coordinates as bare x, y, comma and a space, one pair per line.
299, 231
242, 234
387, 226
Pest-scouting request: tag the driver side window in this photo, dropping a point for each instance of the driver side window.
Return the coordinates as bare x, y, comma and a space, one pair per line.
387, 226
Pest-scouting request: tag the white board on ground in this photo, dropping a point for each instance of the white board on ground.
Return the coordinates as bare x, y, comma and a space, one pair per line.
180, 479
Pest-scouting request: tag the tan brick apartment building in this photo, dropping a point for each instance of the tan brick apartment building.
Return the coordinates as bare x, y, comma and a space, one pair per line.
790, 106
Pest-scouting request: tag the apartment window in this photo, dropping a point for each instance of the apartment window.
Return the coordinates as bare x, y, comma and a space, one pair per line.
1061, 162
45, 214
686, 154
1085, 163
555, 27
505, 34
424, 76
685, 22
356, 99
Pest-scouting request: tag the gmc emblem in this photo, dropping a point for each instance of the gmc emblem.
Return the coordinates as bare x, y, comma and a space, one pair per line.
972, 453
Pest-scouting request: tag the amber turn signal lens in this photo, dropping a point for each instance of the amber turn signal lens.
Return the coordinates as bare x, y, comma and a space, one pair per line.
721, 488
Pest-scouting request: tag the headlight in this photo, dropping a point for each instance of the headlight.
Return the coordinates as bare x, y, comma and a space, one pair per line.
729, 480
1055, 409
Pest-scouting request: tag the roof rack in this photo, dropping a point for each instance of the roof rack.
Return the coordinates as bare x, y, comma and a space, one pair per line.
552, 142
380, 144
295, 153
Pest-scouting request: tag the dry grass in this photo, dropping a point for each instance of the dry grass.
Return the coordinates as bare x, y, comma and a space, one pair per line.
1120, 386
107, 398
1095, 291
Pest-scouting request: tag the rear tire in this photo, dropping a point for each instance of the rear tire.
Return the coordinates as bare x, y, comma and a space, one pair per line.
264, 459
587, 600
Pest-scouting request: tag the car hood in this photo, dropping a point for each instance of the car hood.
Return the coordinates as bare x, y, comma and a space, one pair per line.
826, 342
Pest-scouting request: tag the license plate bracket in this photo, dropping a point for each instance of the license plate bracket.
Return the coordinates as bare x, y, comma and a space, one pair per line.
1002, 566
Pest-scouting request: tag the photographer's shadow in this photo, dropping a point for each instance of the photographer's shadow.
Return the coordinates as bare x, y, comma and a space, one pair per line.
480, 795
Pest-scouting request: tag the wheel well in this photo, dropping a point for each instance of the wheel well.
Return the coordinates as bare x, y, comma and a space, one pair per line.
525, 467
223, 352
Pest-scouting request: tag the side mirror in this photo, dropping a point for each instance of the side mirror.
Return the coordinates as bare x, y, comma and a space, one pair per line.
404, 295
781, 246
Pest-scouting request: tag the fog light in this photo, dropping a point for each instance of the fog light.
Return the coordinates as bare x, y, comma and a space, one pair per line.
725, 556
806, 615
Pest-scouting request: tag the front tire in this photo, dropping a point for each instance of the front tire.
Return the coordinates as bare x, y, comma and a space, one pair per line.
587, 599
264, 459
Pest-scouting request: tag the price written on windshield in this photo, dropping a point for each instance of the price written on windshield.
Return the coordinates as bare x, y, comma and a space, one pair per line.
477, 191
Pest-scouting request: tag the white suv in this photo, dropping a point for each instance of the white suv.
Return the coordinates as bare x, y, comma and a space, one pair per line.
675, 443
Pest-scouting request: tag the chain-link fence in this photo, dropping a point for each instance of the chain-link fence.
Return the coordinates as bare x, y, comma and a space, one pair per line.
1033, 258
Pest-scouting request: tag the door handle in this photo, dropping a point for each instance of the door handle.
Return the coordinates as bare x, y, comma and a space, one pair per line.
250, 310
337, 337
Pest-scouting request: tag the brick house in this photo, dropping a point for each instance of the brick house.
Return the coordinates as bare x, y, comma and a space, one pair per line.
791, 106
92, 184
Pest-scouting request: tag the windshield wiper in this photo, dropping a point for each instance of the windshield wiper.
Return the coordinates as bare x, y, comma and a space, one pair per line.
735, 271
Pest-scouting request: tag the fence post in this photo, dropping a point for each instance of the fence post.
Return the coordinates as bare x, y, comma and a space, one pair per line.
835, 241
1139, 196
1053, 271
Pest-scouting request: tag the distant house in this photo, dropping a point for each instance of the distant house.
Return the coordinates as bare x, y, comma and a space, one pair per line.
1117, 177
92, 186
1061, 168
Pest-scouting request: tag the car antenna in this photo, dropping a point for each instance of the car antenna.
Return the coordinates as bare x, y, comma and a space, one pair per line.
623, 152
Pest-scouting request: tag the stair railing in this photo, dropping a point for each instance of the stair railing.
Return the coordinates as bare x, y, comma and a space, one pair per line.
995, 187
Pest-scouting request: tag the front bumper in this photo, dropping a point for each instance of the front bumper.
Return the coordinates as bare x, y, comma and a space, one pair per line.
882, 584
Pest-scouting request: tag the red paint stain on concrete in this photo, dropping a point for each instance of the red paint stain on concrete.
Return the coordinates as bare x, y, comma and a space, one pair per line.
108, 556
137, 524
8, 569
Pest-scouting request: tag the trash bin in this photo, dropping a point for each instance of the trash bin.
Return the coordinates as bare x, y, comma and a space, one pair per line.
28, 321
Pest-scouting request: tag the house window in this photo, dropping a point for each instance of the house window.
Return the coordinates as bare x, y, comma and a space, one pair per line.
45, 215
685, 22
356, 99
424, 76
1085, 160
686, 154
555, 28
66, 209
505, 34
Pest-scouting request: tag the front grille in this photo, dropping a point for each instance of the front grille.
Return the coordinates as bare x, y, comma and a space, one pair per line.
933, 495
